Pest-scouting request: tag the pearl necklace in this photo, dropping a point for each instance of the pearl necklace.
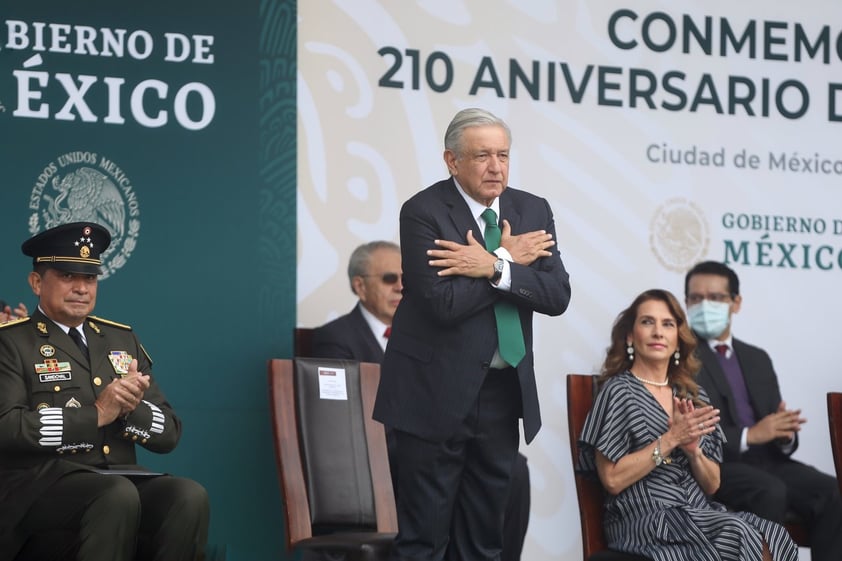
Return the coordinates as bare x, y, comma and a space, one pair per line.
652, 382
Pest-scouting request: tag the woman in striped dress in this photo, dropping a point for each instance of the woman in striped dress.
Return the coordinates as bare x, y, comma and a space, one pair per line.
656, 446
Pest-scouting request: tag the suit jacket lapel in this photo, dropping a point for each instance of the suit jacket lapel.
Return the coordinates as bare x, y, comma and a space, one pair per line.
714, 369
367, 337
462, 219
97, 350
57, 337
460, 214
509, 211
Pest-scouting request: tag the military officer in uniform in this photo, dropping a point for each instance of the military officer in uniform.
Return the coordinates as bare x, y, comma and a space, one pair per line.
77, 395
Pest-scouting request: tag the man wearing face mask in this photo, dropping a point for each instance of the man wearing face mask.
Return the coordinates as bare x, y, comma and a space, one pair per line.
757, 472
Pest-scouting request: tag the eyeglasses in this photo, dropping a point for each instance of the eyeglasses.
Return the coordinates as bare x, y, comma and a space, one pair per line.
719, 297
387, 278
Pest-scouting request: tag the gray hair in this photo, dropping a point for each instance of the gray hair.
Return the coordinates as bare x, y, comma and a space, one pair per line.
471, 117
361, 258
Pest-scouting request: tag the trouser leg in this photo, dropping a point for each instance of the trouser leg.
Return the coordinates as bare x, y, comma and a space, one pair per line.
174, 525
101, 512
451, 495
516, 518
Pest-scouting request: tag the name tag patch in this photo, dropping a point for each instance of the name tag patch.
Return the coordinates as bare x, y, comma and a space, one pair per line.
51, 370
55, 377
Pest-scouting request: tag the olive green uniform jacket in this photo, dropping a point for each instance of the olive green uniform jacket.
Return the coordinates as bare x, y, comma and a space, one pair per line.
48, 420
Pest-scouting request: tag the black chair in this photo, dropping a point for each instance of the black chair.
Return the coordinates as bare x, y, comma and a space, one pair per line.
332, 461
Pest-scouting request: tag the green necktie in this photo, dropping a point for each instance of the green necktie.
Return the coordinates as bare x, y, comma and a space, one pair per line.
509, 332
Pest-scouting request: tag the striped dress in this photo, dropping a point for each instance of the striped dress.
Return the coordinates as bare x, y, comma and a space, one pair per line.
666, 516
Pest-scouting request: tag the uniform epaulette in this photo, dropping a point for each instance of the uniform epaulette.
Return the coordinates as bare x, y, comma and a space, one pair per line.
111, 323
12, 322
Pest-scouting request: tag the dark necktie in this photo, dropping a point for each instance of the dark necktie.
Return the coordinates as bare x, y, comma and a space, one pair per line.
509, 330
736, 381
77, 338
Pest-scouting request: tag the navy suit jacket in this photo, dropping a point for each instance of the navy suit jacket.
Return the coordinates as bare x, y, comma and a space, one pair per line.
763, 391
349, 337
444, 332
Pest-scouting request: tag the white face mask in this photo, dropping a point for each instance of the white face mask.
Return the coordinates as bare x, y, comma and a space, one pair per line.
709, 319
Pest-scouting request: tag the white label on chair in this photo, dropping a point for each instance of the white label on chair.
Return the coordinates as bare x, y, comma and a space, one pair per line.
332, 383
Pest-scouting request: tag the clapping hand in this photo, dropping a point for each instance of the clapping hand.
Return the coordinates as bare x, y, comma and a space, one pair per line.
689, 423
7, 313
780, 425
122, 395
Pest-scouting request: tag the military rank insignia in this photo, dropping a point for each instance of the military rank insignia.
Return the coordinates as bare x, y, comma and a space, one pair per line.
52, 370
120, 360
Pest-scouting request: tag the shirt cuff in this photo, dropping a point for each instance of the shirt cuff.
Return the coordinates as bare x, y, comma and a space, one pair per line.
744, 440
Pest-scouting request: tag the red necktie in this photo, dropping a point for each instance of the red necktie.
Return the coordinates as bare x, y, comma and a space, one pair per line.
722, 350
387, 332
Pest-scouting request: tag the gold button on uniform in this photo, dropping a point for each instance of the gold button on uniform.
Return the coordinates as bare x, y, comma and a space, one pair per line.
57, 389
106, 450
97, 381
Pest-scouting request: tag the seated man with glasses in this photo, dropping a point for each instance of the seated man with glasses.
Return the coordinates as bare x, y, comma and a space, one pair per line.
374, 272
757, 472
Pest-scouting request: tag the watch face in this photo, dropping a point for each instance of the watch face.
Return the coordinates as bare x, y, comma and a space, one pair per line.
498, 266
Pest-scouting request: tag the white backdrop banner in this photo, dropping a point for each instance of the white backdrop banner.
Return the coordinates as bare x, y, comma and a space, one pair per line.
662, 134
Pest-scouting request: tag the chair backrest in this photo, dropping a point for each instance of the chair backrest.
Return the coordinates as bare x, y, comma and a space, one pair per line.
581, 389
331, 455
589, 491
834, 419
302, 341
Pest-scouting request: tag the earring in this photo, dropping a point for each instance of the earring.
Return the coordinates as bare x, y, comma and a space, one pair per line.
677, 356
630, 351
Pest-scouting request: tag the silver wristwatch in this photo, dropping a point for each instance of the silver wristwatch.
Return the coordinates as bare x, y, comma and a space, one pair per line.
498, 271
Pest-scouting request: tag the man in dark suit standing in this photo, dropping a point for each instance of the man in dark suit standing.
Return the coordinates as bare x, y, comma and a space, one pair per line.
458, 371
375, 275
758, 473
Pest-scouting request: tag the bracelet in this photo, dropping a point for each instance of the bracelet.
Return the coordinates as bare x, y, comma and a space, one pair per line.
657, 457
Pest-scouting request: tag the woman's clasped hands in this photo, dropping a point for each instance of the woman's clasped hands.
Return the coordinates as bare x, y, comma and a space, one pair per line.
690, 423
